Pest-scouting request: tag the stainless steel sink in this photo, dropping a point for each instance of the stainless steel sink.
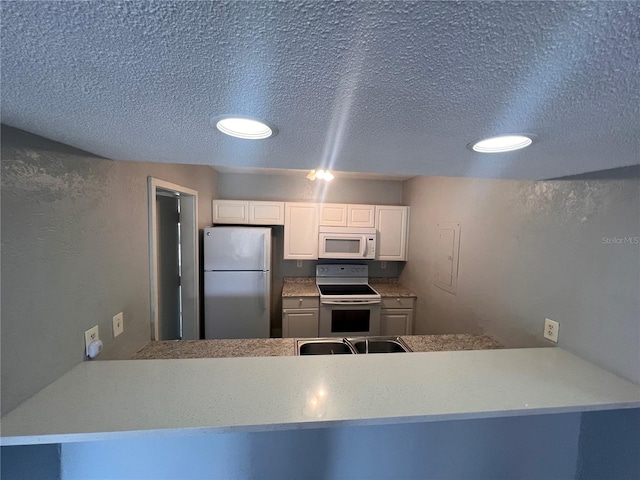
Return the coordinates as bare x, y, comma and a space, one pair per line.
347, 346
379, 345
324, 346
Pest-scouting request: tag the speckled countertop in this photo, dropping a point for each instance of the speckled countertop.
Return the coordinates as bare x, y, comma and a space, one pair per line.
306, 287
274, 347
161, 398
442, 343
253, 347
300, 287
391, 290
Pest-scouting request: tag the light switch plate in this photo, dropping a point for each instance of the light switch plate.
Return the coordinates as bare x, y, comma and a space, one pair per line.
89, 336
118, 324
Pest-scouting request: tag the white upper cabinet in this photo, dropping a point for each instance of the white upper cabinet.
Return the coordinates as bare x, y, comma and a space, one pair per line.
361, 215
231, 211
343, 215
301, 222
301, 231
242, 212
333, 214
266, 213
392, 223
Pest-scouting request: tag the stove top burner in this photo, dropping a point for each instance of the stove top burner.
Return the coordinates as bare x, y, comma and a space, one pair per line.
346, 290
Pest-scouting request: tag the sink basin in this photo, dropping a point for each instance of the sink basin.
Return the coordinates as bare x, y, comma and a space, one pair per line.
379, 345
323, 347
347, 346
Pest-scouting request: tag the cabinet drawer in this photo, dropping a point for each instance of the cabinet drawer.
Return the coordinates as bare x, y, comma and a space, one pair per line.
300, 302
397, 302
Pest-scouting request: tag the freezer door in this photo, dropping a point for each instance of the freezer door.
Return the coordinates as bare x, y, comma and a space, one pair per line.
237, 248
236, 304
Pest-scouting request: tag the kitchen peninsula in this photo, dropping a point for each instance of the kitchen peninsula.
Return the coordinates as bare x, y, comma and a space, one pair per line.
218, 395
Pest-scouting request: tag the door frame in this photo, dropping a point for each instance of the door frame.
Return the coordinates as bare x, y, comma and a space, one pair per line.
190, 256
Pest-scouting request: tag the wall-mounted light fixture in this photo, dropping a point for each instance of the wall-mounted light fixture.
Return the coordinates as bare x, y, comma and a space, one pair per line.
325, 175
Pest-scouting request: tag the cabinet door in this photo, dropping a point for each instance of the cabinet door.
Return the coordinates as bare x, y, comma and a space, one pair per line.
396, 322
301, 231
361, 215
392, 223
300, 323
333, 214
231, 212
266, 213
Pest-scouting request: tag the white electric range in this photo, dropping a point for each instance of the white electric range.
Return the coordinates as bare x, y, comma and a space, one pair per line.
348, 305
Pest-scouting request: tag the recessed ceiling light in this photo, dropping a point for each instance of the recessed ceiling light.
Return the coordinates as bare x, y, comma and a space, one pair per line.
244, 127
503, 143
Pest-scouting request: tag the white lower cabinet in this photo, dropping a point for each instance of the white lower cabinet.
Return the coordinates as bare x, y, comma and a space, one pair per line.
396, 316
300, 317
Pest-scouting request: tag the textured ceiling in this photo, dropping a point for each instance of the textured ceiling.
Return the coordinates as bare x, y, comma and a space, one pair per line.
384, 87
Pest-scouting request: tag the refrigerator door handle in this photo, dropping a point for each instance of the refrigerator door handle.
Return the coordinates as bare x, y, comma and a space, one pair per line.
266, 251
267, 291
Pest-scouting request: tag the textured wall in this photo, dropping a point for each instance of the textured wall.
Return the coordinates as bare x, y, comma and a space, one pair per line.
74, 253
291, 188
530, 250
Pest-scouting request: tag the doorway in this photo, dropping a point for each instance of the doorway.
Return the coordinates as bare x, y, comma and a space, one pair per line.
173, 252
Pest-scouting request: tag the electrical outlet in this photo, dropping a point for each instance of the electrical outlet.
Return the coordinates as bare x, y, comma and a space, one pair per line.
551, 330
118, 324
383, 265
299, 264
89, 336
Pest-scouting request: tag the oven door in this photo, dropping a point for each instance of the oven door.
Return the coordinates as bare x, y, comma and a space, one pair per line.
339, 318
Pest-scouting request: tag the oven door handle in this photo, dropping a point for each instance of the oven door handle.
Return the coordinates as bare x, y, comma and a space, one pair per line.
350, 302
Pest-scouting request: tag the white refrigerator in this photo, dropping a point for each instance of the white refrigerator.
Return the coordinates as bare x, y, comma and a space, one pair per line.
237, 282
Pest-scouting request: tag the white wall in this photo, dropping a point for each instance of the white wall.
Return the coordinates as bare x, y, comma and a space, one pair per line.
530, 250
74, 253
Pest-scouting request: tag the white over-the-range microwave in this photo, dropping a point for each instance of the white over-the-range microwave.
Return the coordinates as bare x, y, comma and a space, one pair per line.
347, 243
